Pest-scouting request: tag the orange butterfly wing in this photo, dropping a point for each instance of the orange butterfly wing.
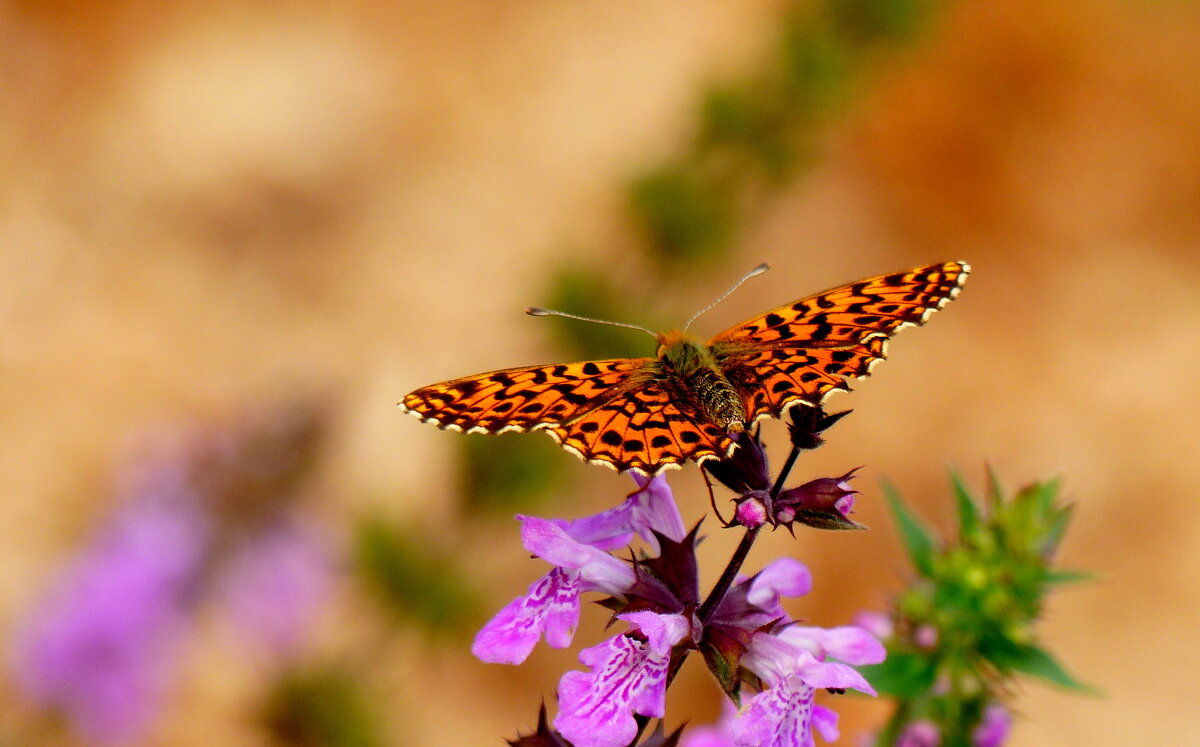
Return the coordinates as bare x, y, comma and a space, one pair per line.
800, 352
622, 413
652, 427
635, 414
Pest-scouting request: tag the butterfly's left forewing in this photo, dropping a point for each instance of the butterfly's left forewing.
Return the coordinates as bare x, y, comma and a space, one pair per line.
527, 398
620, 413
804, 350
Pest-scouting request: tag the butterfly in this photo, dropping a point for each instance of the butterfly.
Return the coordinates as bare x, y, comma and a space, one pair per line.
690, 401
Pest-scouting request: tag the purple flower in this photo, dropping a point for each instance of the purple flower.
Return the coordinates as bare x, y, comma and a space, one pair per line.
552, 604
750, 630
649, 509
785, 716
876, 623
783, 577
993, 728
794, 663
578, 551
755, 602
751, 509
629, 675
920, 733
719, 734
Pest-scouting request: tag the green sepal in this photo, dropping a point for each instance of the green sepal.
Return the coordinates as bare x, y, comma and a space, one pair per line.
723, 654
832, 519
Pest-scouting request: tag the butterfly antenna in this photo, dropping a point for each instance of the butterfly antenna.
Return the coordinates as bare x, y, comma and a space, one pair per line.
535, 311
756, 271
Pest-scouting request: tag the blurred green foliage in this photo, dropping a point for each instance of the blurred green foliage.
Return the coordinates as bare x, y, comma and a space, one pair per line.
757, 132
506, 474
578, 289
414, 578
321, 707
965, 626
685, 215
754, 135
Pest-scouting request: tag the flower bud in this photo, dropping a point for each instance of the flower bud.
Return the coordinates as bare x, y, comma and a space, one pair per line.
808, 423
746, 468
751, 509
822, 503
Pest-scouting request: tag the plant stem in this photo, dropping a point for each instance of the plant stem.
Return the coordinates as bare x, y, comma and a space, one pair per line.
730, 573
709, 607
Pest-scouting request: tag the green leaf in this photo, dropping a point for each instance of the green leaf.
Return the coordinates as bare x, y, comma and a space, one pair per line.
1036, 662
588, 290
995, 494
903, 674
1068, 576
968, 512
817, 69
1046, 495
873, 21
917, 539
1053, 535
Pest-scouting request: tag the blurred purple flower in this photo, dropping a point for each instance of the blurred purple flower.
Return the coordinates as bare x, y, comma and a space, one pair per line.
920, 733
274, 585
101, 646
993, 728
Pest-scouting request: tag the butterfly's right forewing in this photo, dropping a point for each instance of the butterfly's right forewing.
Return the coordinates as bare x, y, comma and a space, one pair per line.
804, 350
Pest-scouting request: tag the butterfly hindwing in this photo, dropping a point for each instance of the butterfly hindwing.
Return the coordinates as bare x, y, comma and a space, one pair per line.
525, 398
651, 427
802, 351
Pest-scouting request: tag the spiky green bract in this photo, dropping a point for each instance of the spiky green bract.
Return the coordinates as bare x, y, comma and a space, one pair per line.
965, 626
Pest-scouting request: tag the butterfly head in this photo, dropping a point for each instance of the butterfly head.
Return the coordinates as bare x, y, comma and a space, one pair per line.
681, 350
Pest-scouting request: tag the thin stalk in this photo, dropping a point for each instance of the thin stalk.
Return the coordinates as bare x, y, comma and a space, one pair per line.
709, 607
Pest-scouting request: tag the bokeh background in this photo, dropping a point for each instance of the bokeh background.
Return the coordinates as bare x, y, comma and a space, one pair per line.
232, 235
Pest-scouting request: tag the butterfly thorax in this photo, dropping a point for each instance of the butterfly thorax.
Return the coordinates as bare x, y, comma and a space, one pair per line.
696, 370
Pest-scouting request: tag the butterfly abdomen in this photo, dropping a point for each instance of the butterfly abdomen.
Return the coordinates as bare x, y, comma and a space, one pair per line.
717, 398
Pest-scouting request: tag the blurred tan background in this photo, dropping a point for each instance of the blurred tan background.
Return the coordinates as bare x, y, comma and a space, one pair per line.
202, 204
